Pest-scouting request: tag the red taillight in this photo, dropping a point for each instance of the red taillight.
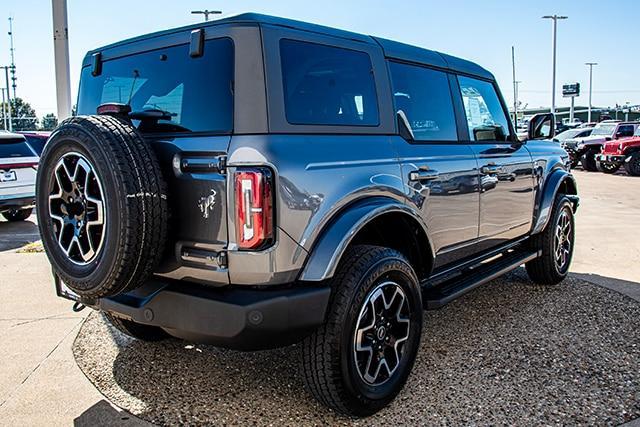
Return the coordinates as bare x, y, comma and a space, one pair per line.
254, 208
7, 166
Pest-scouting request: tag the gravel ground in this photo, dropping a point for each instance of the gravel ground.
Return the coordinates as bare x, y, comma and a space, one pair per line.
508, 353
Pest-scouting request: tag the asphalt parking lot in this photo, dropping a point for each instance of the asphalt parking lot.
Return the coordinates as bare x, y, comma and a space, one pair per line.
508, 353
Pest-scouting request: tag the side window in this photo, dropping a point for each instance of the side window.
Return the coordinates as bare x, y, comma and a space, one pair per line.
424, 96
624, 131
485, 115
326, 85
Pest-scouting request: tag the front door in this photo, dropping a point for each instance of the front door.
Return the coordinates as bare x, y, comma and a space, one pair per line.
439, 172
505, 166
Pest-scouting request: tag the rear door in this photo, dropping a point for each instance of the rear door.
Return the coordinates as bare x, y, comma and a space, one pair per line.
439, 172
195, 96
18, 165
505, 167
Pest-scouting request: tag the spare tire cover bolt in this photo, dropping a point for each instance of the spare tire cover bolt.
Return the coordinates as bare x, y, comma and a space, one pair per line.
255, 317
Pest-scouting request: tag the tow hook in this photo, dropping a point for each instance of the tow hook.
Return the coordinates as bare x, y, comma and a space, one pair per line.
78, 306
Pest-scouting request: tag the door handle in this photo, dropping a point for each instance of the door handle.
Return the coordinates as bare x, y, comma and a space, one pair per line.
491, 169
423, 175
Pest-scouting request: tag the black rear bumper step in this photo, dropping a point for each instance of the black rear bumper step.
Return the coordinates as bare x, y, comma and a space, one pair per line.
444, 293
237, 318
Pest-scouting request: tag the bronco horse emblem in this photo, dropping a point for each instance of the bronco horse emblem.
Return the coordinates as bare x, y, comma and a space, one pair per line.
206, 204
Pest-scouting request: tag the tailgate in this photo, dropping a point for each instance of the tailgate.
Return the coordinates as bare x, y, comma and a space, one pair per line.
18, 177
194, 170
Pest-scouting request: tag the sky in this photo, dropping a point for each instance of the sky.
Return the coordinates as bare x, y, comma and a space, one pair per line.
483, 31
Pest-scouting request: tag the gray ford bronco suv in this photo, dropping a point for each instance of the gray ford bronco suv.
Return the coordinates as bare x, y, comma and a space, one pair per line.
254, 182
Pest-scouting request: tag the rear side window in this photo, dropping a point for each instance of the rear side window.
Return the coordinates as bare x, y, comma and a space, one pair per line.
196, 93
625, 131
485, 115
424, 96
326, 85
10, 148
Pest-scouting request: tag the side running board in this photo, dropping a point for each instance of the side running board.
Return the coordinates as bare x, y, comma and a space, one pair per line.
445, 292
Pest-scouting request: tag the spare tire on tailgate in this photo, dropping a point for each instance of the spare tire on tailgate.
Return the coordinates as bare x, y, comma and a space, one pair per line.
102, 205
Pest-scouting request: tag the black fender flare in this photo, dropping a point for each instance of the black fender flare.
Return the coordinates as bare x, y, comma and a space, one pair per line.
557, 179
334, 240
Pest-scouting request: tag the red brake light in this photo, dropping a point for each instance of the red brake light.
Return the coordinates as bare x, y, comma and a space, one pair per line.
8, 166
254, 208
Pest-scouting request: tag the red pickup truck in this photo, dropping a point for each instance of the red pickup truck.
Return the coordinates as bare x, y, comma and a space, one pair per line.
621, 152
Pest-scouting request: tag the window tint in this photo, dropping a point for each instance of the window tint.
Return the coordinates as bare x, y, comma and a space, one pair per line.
424, 97
14, 148
485, 115
36, 143
195, 92
625, 130
326, 85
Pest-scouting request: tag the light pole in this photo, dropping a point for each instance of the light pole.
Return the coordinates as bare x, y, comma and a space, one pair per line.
61, 56
553, 61
4, 114
6, 79
206, 13
590, 64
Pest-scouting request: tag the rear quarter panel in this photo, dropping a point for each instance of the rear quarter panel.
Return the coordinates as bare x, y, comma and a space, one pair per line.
316, 177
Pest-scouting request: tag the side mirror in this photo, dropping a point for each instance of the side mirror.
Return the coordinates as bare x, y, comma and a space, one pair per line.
542, 126
607, 138
404, 128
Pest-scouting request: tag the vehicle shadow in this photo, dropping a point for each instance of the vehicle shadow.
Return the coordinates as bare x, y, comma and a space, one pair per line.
104, 414
14, 235
510, 352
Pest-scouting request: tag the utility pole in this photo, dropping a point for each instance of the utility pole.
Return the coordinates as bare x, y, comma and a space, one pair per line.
6, 79
553, 60
515, 88
206, 13
13, 61
61, 54
590, 64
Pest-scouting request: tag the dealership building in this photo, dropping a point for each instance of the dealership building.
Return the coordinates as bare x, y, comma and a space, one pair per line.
581, 112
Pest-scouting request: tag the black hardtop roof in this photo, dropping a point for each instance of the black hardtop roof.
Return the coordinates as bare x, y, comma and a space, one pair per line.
392, 49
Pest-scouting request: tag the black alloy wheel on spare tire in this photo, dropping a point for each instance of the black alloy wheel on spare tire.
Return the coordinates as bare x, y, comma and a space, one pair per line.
632, 164
102, 205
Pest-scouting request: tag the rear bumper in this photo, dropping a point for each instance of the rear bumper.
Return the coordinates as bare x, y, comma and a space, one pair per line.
611, 158
242, 319
19, 201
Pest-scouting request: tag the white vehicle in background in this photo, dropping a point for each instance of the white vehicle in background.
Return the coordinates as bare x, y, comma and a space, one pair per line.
18, 165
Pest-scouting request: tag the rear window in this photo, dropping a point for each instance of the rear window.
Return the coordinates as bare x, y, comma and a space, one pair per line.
14, 148
196, 93
325, 85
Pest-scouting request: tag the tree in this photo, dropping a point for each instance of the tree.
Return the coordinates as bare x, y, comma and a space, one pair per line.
23, 116
49, 122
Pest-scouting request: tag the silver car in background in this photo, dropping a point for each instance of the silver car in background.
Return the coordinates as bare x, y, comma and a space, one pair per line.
18, 165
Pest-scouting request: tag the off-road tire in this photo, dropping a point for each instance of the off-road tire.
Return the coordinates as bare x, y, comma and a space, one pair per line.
327, 361
588, 160
136, 330
632, 164
575, 163
544, 270
136, 210
17, 215
609, 168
